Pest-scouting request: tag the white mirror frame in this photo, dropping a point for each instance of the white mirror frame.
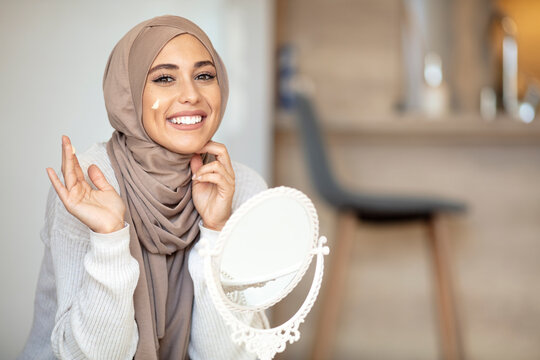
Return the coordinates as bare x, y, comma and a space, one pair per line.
263, 342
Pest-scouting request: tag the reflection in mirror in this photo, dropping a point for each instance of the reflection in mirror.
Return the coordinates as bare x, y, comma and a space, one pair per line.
256, 271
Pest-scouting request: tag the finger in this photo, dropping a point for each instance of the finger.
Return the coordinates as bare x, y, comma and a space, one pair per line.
214, 167
98, 178
78, 171
58, 186
221, 153
68, 169
218, 179
195, 163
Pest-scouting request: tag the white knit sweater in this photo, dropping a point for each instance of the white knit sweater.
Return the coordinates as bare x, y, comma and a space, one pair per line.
84, 298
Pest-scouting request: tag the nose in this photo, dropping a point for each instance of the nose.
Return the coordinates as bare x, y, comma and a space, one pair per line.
188, 92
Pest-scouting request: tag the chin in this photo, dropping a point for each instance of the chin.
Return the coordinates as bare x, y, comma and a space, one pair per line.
185, 149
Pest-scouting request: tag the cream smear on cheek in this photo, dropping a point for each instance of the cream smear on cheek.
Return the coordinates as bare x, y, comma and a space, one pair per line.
156, 105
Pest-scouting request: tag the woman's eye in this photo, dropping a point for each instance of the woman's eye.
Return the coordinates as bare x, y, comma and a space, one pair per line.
163, 79
205, 77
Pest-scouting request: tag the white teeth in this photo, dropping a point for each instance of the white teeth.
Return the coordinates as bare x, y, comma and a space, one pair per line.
188, 120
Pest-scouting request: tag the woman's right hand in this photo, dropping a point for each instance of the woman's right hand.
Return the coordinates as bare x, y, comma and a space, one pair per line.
102, 210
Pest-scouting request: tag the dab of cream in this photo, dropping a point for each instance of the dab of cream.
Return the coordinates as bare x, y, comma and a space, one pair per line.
73, 149
156, 105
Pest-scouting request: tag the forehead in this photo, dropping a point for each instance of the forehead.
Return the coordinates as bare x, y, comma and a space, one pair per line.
181, 49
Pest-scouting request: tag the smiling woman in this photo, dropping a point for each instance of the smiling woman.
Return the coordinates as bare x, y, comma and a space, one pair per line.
183, 79
118, 280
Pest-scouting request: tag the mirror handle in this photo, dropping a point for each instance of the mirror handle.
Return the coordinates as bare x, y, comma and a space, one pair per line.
321, 247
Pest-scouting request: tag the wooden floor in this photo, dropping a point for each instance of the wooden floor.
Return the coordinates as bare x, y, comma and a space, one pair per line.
388, 312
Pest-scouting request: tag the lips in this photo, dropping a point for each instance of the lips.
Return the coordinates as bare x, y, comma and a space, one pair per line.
187, 120
187, 117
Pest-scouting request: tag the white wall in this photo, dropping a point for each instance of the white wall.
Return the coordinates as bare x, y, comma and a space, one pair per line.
52, 58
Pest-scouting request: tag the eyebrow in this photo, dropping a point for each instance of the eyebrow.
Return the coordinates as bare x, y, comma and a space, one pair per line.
197, 65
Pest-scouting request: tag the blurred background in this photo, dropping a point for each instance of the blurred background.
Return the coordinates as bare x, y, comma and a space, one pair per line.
429, 97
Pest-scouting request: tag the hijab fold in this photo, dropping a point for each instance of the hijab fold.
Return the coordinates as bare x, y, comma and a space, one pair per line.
155, 185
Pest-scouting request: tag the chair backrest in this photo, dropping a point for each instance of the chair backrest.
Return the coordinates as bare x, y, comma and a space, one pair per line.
319, 168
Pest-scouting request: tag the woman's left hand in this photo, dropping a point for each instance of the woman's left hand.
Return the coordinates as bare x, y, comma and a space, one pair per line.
213, 186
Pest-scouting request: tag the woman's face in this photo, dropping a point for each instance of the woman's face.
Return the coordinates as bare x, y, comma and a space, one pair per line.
181, 98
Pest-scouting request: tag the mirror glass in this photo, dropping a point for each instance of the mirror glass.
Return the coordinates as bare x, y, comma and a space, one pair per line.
267, 251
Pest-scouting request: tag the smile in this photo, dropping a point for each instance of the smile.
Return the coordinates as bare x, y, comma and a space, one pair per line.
187, 120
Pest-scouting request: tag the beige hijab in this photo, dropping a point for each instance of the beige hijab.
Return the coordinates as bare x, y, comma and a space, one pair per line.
155, 184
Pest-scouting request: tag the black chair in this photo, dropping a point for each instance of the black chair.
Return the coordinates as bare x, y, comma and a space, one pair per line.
354, 206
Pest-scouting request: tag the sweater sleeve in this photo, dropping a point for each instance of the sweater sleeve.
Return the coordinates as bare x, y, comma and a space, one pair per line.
95, 277
210, 337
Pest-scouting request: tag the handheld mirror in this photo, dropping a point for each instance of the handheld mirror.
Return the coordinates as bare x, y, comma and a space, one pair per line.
261, 254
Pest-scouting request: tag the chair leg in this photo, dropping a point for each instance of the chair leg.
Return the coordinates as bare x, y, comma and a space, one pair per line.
334, 288
450, 340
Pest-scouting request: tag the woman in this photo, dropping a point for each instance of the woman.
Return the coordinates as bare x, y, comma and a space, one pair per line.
118, 279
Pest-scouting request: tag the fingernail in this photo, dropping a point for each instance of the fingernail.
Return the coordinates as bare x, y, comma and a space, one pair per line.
193, 177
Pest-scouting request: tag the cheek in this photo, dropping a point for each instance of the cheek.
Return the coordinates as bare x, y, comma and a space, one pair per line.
215, 100
154, 103
152, 106
159, 100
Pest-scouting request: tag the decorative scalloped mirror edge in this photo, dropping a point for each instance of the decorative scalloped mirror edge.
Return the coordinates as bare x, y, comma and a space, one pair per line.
269, 341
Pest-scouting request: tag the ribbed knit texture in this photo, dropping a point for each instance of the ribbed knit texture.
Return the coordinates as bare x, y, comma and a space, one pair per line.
84, 300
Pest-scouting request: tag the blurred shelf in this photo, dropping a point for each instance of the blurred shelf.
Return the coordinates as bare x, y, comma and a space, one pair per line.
410, 128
